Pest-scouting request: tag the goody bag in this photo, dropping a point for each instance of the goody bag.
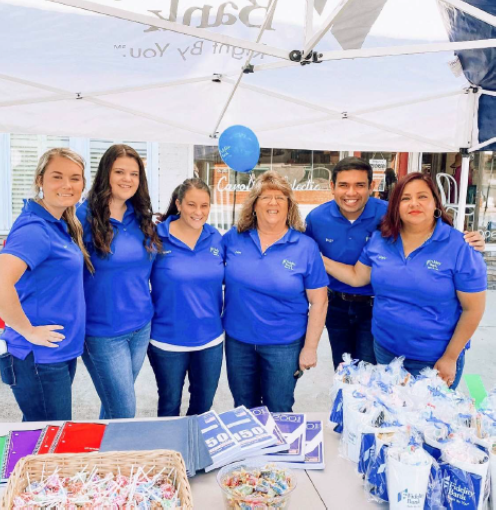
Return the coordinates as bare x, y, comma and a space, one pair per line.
355, 417
464, 482
407, 484
492, 473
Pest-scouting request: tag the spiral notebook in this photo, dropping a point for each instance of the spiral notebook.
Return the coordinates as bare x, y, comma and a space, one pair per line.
78, 438
46, 440
19, 443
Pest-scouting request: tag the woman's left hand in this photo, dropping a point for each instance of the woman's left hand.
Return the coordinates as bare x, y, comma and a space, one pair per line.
446, 368
308, 358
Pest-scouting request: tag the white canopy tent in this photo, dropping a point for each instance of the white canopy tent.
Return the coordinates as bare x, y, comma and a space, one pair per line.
382, 75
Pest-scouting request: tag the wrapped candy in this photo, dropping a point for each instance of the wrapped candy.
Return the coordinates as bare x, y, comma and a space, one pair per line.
90, 490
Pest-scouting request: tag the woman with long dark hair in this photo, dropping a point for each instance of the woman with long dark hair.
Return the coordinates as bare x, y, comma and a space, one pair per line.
41, 294
120, 236
187, 333
429, 283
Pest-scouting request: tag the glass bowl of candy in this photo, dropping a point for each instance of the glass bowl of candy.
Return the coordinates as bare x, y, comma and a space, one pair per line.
256, 485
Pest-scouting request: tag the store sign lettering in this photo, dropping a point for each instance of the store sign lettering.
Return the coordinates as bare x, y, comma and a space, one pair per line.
225, 185
227, 13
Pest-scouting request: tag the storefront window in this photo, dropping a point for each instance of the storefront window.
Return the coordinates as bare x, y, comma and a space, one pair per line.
485, 163
309, 173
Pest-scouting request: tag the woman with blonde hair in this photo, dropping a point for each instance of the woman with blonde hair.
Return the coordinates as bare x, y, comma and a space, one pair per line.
42, 294
274, 273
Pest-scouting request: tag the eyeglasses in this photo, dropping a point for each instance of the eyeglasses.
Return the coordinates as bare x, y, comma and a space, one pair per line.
268, 198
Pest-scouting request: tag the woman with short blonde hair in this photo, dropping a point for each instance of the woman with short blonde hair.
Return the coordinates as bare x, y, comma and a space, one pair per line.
274, 181
274, 274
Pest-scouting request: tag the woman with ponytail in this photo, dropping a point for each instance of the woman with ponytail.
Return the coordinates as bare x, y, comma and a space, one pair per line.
42, 296
120, 236
187, 333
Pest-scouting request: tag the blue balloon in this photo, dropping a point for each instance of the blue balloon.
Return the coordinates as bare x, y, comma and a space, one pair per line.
239, 148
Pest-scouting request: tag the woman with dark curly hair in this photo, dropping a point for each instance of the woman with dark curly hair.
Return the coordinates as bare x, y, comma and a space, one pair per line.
120, 236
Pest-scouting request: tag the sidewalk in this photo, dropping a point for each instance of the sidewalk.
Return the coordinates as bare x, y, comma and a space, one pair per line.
311, 393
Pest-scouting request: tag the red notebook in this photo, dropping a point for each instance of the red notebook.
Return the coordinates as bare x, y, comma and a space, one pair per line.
46, 439
78, 438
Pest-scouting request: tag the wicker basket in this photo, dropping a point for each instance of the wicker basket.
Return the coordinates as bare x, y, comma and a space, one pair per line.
71, 463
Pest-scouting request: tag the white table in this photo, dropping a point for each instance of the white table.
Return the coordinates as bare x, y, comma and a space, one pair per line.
338, 486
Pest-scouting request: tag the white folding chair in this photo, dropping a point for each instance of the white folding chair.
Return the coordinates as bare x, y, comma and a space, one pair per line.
448, 189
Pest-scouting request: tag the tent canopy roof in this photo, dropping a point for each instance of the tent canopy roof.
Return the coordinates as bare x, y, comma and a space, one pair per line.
157, 70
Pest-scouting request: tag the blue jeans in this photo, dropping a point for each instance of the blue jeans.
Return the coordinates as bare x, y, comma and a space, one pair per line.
415, 366
170, 368
114, 363
42, 390
263, 374
349, 326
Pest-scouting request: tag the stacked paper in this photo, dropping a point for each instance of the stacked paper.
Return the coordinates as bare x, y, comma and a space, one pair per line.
264, 416
314, 448
293, 428
247, 430
221, 444
182, 435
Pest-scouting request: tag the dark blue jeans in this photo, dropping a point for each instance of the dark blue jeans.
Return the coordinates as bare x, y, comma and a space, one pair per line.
114, 363
42, 390
170, 368
415, 366
349, 326
263, 374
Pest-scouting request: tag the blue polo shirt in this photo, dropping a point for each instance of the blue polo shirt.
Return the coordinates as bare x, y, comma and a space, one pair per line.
51, 289
265, 299
416, 308
117, 295
187, 288
343, 241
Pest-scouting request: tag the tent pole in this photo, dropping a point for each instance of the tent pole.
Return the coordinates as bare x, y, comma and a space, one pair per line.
270, 13
482, 145
346, 116
317, 37
473, 11
413, 49
462, 201
200, 33
309, 21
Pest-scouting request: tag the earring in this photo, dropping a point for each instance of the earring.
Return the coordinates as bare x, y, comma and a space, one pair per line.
254, 213
40, 193
438, 212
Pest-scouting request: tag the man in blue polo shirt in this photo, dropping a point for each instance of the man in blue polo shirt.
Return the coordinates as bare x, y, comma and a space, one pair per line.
341, 228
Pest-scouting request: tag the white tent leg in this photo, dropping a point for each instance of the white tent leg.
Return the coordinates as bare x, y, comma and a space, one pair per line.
200, 33
473, 11
462, 202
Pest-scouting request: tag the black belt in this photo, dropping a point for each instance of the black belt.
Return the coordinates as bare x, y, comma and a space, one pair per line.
351, 298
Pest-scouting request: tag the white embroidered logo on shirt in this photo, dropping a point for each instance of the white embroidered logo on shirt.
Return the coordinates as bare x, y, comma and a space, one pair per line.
166, 252
214, 251
237, 252
288, 264
381, 257
329, 240
433, 264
